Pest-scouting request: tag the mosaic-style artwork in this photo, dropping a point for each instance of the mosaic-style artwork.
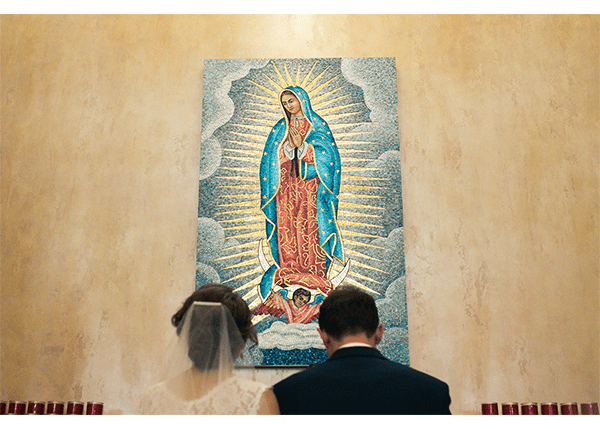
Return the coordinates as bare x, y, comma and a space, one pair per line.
300, 192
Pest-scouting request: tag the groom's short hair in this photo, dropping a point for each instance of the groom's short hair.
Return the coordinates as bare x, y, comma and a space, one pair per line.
348, 310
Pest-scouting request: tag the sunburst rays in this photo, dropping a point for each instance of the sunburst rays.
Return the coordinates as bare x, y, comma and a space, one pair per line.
361, 192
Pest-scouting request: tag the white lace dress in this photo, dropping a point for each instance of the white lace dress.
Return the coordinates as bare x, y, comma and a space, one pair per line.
236, 395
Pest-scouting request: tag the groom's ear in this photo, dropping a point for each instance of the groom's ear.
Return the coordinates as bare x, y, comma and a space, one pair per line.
326, 340
379, 334
324, 337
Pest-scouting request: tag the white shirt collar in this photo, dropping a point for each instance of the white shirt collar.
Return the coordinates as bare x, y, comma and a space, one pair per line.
354, 345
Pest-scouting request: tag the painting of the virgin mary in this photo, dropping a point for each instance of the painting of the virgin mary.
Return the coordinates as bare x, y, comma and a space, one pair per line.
299, 193
300, 174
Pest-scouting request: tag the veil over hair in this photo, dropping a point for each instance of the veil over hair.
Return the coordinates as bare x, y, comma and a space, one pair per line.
197, 374
202, 354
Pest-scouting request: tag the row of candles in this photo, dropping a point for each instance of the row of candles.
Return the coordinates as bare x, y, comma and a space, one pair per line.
546, 408
53, 407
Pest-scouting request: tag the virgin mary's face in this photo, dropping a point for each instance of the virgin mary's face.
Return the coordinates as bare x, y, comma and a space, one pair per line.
291, 104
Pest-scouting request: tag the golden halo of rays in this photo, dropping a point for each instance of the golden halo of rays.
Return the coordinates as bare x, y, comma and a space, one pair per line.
244, 220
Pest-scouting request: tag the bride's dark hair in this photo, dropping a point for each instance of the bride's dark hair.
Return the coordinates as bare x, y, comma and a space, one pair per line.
216, 292
202, 339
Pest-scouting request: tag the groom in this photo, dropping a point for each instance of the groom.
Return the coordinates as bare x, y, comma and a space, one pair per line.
357, 378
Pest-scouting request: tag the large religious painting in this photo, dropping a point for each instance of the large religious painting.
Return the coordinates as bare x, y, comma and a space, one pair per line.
300, 192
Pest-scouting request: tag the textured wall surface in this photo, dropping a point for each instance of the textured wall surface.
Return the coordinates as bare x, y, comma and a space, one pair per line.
499, 137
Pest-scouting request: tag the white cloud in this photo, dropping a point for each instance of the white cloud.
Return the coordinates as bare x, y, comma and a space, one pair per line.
290, 336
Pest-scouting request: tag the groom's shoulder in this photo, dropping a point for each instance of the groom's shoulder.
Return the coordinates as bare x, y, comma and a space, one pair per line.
303, 374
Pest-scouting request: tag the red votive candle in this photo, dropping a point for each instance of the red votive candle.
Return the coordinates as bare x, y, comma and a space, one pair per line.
589, 408
569, 408
75, 408
55, 407
36, 407
510, 409
529, 409
550, 408
17, 407
94, 408
3, 407
489, 408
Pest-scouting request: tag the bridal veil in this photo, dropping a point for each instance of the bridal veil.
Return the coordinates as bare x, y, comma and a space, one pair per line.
198, 375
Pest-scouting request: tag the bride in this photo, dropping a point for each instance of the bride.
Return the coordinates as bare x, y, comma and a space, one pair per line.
213, 326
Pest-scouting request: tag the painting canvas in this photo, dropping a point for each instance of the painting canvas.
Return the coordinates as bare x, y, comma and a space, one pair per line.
300, 192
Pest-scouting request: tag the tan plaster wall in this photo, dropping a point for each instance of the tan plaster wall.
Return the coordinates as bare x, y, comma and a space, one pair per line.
499, 122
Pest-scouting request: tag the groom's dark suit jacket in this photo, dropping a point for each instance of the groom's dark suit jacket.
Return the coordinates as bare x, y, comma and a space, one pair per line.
360, 380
